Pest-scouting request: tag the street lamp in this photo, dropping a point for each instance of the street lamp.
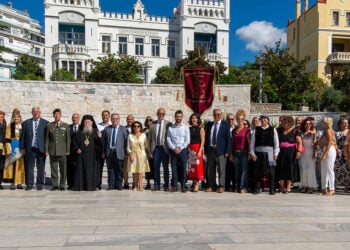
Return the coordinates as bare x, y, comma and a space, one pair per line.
260, 79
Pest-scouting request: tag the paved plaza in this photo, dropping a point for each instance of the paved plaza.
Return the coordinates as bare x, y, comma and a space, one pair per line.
131, 220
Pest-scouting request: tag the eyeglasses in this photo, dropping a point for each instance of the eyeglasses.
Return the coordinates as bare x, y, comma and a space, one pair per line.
230, 119
149, 120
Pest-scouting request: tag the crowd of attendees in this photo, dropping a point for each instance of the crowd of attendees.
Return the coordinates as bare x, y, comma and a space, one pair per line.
227, 154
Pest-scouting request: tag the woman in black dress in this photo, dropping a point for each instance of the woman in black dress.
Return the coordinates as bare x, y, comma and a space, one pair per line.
290, 150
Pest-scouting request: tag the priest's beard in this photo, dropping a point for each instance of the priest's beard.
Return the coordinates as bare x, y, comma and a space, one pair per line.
87, 130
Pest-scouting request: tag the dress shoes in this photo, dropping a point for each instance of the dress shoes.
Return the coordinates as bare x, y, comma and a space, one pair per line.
54, 189
19, 186
62, 189
148, 186
173, 189
209, 190
12, 187
1, 187
184, 190
272, 192
166, 189
39, 188
28, 188
126, 186
155, 188
110, 188
221, 190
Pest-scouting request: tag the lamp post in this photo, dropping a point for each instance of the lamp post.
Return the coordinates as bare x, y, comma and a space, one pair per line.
260, 79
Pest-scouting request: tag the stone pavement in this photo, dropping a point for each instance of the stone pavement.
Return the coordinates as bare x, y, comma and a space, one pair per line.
129, 220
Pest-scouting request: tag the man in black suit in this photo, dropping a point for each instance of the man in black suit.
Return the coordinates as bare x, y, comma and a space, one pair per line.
217, 149
32, 146
72, 157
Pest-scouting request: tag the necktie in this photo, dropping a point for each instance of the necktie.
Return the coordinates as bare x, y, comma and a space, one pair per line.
159, 133
74, 129
36, 124
213, 140
113, 137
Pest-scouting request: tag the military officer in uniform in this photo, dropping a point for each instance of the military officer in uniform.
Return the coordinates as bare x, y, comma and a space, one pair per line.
57, 146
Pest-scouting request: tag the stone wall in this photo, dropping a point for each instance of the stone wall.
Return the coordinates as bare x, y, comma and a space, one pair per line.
92, 98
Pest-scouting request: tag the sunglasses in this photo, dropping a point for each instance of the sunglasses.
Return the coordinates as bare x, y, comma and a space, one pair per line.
149, 120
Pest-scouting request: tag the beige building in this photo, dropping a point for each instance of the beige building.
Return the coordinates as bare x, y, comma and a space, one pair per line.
322, 32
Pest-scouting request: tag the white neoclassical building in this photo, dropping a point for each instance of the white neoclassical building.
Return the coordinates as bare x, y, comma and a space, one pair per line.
19, 34
78, 30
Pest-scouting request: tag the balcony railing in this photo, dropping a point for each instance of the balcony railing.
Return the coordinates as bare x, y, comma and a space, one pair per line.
339, 58
71, 49
213, 57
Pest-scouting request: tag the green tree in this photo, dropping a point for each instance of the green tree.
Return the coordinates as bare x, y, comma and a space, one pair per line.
166, 74
62, 75
28, 68
287, 75
331, 98
341, 82
314, 93
125, 69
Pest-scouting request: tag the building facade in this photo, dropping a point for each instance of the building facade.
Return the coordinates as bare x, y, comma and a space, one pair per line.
19, 34
321, 32
77, 31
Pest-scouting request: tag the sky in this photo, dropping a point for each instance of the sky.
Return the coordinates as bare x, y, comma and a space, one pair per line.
254, 23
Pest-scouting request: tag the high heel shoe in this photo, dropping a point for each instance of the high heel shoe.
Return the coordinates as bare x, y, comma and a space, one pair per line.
330, 193
195, 187
323, 192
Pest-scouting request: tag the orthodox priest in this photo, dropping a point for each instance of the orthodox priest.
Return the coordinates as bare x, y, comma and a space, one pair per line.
88, 145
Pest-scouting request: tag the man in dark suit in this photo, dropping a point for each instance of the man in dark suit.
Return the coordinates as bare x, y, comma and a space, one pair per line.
57, 146
72, 157
217, 149
115, 141
158, 149
32, 145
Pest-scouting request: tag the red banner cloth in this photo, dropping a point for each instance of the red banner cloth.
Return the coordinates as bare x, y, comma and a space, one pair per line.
199, 88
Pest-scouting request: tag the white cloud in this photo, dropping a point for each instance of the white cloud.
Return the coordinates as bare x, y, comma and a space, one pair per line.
259, 34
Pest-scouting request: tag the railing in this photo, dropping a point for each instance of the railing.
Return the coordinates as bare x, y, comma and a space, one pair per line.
213, 57
70, 49
339, 58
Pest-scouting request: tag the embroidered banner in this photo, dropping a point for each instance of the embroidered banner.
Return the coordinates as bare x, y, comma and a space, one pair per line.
199, 88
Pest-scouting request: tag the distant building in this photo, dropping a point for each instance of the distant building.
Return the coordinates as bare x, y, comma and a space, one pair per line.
77, 30
321, 32
19, 34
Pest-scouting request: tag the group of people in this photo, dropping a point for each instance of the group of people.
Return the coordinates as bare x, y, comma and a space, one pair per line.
221, 155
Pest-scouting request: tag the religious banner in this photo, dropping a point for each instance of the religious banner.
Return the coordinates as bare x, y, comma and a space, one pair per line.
199, 88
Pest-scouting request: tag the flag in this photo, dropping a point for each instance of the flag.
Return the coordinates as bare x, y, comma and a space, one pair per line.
199, 88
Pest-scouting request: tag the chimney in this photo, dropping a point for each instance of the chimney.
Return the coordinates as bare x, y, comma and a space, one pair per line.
298, 9
306, 5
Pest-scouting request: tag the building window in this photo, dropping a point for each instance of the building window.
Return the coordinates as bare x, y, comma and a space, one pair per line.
64, 65
106, 44
2, 43
139, 46
72, 67
79, 69
347, 18
171, 48
70, 34
123, 45
335, 18
155, 47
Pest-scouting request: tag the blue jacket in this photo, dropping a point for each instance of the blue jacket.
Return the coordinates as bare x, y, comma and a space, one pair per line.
223, 141
26, 138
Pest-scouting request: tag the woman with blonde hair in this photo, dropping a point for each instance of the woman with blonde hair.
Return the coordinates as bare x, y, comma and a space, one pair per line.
327, 143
